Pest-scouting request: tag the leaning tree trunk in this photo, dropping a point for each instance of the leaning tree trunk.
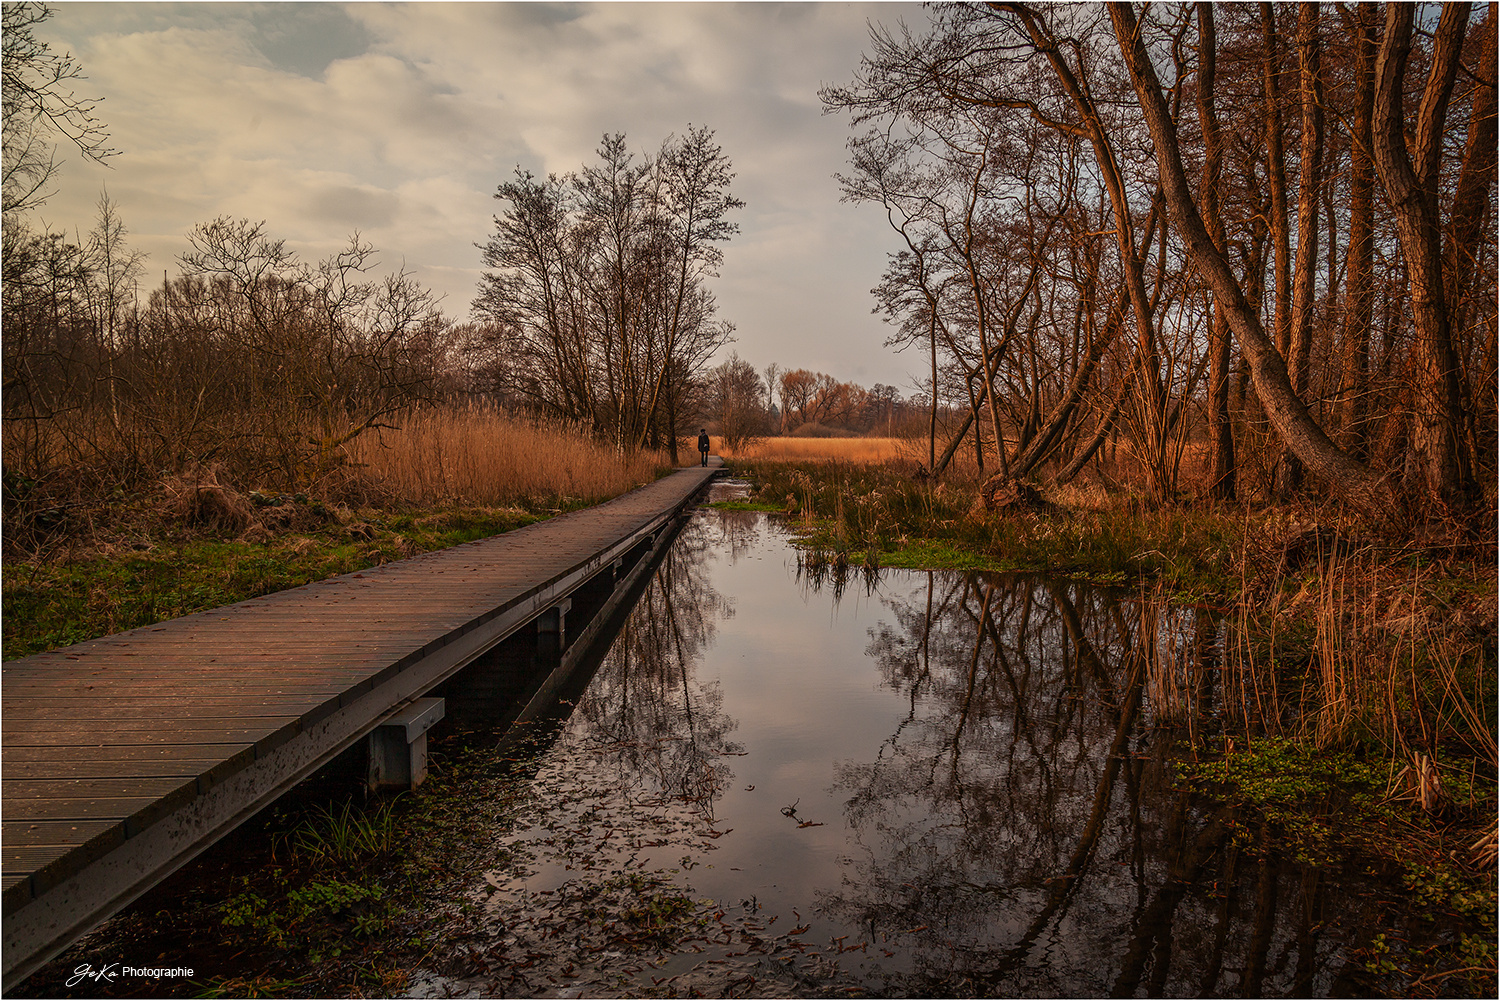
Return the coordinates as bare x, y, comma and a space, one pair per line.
1354, 482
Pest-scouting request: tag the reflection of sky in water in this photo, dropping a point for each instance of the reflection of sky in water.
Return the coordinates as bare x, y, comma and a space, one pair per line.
998, 818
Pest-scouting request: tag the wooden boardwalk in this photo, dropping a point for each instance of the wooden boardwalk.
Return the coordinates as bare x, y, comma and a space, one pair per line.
125, 756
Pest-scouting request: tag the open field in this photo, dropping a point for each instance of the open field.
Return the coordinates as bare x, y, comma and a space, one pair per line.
860, 450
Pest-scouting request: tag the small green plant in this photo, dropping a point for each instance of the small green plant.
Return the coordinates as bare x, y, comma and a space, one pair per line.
345, 835
1378, 957
1294, 787
317, 916
1436, 887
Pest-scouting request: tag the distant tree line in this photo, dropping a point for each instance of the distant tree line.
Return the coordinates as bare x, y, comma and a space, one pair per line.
1264, 231
744, 405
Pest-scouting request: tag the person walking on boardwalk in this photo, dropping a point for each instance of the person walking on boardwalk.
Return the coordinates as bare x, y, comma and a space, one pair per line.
703, 445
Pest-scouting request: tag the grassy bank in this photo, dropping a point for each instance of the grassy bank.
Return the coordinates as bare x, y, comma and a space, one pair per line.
82, 562
1366, 634
150, 572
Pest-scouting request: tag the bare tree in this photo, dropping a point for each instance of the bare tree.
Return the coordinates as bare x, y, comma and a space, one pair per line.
597, 283
1410, 177
1353, 481
737, 402
40, 109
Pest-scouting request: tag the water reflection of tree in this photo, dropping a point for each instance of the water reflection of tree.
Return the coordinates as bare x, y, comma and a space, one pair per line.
645, 704
733, 533
1021, 827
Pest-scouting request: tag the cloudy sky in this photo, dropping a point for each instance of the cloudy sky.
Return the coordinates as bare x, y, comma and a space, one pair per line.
399, 121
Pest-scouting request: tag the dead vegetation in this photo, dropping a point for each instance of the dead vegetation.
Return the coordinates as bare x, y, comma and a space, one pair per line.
789, 449
85, 557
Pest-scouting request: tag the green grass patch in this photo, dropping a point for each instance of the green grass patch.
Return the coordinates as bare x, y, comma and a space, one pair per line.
1190, 555
1298, 789
54, 603
745, 505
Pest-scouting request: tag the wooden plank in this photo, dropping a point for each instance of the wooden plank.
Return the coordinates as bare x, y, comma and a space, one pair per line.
87, 738
209, 763
41, 708
174, 722
21, 792
33, 771
23, 860
224, 687
126, 755
71, 832
96, 808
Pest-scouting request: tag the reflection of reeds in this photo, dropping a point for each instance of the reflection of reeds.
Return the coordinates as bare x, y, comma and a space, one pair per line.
1174, 659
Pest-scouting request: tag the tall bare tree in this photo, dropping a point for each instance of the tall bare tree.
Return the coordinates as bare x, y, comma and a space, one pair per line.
597, 283
1409, 173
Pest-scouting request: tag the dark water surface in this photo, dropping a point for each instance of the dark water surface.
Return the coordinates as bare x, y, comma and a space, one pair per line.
919, 784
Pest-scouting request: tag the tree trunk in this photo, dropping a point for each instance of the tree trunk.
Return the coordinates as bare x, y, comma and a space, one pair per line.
1471, 207
1359, 292
1309, 188
1149, 380
1087, 452
1220, 432
1350, 480
1410, 178
1279, 215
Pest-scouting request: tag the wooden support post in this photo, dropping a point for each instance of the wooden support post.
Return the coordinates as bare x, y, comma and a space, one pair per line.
398, 746
552, 628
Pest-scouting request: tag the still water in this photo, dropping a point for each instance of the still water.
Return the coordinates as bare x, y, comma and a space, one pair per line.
909, 784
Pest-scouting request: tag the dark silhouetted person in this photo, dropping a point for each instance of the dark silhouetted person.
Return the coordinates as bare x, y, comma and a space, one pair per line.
703, 445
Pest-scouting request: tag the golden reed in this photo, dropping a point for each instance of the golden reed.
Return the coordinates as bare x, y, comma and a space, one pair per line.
476, 455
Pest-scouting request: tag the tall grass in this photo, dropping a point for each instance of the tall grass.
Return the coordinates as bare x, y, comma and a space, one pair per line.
856, 450
479, 456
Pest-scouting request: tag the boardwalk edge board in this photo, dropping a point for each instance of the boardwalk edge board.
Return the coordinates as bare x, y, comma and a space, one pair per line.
72, 861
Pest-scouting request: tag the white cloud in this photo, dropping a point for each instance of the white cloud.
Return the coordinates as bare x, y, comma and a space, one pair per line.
400, 120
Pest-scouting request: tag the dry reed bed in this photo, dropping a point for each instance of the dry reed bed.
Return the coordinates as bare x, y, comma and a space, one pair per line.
857, 450
480, 456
